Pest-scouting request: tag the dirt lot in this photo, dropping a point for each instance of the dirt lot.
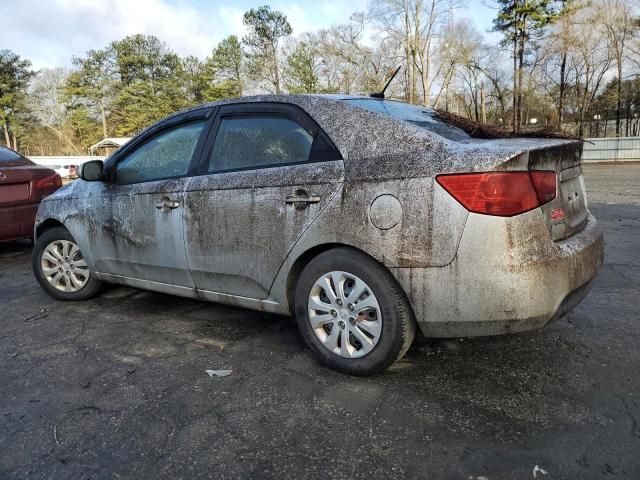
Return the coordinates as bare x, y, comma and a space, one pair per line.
116, 387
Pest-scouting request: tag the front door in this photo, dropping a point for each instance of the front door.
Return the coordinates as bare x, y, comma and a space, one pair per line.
266, 173
137, 229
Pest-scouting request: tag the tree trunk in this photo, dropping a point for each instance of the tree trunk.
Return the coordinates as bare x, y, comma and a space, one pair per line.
276, 70
239, 78
103, 115
563, 86
445, 86
628, 112
515, 82
521, 73
410, 72
474, 96
563, 65
619, 99
15, 141
483, 109
426, 71
414, 90
408, 52
7, 139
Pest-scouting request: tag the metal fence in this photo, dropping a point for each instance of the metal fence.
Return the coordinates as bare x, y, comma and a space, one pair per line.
623, 149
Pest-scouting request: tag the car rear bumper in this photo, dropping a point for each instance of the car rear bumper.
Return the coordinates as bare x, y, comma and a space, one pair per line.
508, 276
16, 221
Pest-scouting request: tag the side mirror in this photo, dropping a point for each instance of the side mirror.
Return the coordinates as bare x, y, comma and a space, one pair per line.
91, 171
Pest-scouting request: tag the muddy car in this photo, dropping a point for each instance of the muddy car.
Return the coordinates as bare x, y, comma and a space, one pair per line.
364, 218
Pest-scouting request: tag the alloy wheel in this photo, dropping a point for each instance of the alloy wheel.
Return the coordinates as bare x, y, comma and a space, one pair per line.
344, 314
64, 267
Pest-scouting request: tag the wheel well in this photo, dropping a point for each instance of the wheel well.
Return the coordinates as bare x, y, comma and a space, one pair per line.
302, 261
48, 224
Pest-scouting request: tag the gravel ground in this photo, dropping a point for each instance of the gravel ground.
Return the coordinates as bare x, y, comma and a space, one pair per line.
116, 387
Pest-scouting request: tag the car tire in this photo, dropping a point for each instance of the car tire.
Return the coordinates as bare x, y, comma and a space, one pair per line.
49, 253
378, 335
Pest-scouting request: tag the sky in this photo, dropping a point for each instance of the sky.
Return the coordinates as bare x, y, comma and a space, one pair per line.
51, 32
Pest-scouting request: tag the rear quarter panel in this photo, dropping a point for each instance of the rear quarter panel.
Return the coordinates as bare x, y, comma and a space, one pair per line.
427, 234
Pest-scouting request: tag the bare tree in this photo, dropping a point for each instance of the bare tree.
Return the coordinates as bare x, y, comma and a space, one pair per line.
414, 24
616, 17
47, 106
590, 63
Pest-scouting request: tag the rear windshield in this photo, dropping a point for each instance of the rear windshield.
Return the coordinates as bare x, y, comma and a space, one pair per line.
420, 116
9, 158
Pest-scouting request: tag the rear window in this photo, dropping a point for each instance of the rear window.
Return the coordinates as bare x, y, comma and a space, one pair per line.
259, 141
420, 116
9, 158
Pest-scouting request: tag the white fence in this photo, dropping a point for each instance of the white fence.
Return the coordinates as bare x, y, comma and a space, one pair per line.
52, 160
623, 149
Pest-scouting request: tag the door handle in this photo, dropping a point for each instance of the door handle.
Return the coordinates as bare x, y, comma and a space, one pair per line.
167, 204
302, 198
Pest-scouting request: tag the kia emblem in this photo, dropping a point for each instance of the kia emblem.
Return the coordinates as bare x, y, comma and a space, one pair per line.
3, 175
557, 214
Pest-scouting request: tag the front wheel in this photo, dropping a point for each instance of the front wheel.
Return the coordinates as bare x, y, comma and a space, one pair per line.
352, 313
60, 267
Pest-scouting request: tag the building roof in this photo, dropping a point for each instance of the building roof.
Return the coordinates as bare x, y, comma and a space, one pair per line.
110, 142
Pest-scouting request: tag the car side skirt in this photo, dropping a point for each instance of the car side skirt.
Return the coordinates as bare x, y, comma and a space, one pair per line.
264, 305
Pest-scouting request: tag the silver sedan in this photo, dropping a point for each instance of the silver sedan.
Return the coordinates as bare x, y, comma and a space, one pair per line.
364, 218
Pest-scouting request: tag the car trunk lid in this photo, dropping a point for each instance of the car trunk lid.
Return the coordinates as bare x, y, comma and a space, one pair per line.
17, 184
567, 213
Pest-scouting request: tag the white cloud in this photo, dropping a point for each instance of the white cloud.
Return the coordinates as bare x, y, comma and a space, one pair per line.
232, 19
49, 33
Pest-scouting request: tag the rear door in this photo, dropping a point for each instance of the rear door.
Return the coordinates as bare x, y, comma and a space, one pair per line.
267, 171
136, 228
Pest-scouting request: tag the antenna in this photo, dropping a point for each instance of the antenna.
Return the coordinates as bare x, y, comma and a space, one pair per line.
381, 94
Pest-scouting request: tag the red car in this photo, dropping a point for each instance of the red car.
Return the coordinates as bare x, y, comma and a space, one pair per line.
22, 185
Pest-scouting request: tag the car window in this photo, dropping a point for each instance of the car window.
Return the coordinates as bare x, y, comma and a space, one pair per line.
419, 116
255, 141
163, 156
9, 158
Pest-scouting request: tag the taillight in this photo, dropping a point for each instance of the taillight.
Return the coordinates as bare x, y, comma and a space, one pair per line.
52, 182
502, 194
545, 184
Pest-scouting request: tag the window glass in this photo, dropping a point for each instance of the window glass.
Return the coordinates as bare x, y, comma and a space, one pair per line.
420, 116
9, 158
165, 155
258, 140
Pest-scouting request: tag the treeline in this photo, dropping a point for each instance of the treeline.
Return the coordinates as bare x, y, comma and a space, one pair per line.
569, 64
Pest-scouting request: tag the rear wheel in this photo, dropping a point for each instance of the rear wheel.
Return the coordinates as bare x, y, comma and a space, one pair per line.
60, 267
352, 313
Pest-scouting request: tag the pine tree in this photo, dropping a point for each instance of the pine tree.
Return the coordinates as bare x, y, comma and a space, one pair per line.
301, 72
15, 74
226, 63
521, 21
266, 29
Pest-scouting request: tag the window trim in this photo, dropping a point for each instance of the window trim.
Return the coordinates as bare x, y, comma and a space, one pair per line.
286, 110
206, 116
